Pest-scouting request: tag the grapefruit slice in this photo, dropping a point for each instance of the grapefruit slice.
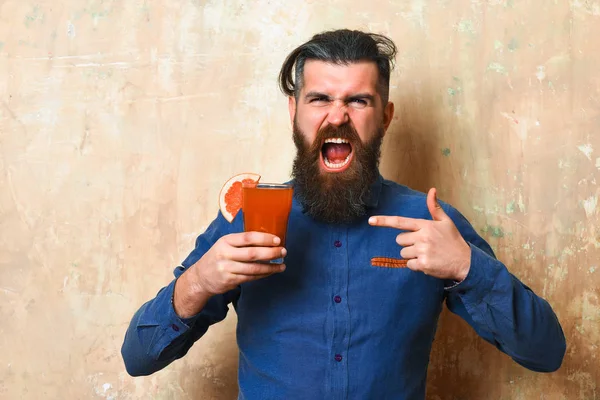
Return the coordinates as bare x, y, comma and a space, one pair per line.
230, 197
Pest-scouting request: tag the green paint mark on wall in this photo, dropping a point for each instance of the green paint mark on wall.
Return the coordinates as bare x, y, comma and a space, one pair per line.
495, 231
446, 152
510, 3
35, 15
452, 91
466, 26
498, 45
592, 270
1, 45
510, 207
513, 44
497, 67
98, 14
98, 11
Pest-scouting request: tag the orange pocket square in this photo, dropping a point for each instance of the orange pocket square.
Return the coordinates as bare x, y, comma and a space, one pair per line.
388, 262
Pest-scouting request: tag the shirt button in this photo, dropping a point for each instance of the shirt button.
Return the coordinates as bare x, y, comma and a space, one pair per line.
337, 299
338, 357
337, 243
175, 328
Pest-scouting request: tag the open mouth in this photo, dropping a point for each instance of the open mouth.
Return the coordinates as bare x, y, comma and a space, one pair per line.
336, 154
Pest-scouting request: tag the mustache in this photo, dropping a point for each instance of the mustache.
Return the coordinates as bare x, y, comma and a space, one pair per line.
345, 131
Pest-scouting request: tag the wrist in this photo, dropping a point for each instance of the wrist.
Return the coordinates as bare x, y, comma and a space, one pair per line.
464, 266
462, 274
189, 298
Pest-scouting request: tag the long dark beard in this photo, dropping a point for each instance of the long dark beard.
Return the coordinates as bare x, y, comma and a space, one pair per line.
335, 197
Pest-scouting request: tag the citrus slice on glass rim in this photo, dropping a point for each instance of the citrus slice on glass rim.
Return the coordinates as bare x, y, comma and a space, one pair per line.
230, 197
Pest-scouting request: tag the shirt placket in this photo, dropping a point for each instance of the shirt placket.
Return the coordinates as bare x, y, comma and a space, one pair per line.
341, 314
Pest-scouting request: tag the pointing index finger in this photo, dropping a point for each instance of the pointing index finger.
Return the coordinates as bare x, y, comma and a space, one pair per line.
403, 223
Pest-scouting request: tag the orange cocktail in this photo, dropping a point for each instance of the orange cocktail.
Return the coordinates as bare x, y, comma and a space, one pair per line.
266, 208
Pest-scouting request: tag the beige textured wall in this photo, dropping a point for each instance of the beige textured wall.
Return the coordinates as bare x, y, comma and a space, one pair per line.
119, 120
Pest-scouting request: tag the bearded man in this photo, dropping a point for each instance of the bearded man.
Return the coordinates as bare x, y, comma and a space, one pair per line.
369, 263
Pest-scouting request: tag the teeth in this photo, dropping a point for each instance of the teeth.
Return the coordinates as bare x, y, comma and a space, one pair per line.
331, 165
336, 140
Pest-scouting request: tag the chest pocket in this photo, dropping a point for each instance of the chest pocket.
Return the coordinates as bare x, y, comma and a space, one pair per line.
386, 287
388, 262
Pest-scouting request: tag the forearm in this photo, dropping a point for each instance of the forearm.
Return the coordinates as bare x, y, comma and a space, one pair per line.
157, 336
189, 297
165, 328
508, 314
535, 339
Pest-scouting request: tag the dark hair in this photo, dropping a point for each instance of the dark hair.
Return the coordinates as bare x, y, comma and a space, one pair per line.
340, 47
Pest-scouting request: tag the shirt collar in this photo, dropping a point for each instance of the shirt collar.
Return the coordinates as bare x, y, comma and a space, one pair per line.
373, 200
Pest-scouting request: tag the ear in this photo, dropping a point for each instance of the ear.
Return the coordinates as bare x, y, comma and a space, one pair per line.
292, 108
388, 115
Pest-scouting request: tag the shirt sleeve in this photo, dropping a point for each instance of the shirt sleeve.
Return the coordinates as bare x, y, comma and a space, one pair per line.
503, 310
156, 335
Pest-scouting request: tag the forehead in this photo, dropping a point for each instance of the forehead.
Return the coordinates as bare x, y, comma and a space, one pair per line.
332, 78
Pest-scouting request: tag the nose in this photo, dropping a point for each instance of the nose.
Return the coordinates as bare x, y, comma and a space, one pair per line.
338, 114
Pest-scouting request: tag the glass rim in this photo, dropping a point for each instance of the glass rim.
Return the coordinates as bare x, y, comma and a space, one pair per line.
261, 185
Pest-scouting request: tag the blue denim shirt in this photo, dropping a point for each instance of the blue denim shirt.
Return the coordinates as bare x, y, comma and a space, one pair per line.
333, 326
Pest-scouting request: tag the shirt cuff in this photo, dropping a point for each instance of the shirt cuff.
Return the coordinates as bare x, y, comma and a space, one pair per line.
481, 277
167, 324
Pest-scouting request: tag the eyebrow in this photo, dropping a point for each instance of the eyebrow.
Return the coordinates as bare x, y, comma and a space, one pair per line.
315, 94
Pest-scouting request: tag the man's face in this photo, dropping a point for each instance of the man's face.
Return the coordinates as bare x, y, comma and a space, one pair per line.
339, 122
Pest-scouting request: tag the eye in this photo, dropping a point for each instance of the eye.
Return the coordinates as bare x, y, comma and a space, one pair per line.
318, 100
358, 102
